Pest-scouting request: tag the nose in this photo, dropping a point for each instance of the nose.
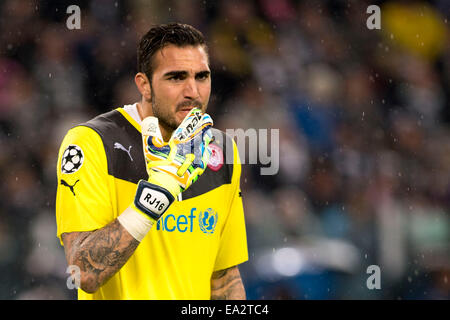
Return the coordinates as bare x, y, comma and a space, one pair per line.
191, 89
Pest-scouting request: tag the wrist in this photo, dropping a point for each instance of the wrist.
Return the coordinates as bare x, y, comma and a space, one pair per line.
136, 223
152, 200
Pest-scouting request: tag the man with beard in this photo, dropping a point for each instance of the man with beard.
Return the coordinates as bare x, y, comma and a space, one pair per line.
166, 222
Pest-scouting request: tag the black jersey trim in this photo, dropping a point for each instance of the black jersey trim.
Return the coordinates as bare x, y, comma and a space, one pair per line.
123, 147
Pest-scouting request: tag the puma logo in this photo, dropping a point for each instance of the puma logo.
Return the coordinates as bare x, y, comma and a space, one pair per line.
121, 147
64, 183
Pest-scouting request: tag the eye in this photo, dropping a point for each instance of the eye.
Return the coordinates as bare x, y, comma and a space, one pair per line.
177, 77
202, 76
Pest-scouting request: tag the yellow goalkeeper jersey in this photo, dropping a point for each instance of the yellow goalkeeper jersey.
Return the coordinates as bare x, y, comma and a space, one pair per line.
99, 165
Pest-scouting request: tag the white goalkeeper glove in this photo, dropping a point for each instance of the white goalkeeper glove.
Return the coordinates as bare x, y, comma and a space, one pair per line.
172, 167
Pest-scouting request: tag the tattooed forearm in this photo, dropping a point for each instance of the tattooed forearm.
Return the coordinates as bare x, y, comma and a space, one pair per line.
99, 254
227, 285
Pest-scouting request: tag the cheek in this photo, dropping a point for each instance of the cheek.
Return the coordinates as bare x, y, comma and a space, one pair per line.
166, 95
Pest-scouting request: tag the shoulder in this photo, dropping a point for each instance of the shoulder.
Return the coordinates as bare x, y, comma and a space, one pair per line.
86, 140
122, 144
90, 133
95, 127
106, 123
106, 130
80, 138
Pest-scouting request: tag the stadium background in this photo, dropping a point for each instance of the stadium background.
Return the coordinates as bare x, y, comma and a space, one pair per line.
363, 115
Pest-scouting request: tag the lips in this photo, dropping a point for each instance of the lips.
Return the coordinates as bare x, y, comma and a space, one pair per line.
189, 105
183, 112
186, 108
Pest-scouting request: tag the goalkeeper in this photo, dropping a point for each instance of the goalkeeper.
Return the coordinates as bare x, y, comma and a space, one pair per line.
146, 207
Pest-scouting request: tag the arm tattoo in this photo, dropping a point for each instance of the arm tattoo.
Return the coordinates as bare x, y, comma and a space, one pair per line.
100, 253
227, 285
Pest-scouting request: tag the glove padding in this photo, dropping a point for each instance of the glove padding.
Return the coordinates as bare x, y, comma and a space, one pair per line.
174, 166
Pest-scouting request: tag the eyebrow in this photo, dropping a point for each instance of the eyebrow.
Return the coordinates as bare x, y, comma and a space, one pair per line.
185, 73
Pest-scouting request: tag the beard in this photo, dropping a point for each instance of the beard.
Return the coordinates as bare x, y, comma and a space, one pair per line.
165, 118
163, 112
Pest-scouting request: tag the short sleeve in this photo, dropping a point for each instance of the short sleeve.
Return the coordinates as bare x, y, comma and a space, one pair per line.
233, 242
83, 200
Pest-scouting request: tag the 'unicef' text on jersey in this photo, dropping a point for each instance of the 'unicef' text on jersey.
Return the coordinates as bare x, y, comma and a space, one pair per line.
198, 220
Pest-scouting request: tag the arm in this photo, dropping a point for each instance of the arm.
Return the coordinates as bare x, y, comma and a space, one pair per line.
99, 254
227, 285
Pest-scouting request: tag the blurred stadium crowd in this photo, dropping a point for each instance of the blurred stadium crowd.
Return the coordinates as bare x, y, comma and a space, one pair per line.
363, 115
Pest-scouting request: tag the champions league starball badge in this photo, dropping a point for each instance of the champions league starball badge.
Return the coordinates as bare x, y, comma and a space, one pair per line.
72, 159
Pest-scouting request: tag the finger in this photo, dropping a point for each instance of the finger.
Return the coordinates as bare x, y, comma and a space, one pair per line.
186, 164
200, 127
188, 125
204, 125
150, 128
207, 135
199, 143
206, 157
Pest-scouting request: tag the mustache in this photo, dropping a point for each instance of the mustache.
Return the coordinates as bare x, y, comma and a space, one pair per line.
190, 103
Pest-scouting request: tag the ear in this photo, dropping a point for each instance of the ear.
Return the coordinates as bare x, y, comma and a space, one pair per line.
143, 85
